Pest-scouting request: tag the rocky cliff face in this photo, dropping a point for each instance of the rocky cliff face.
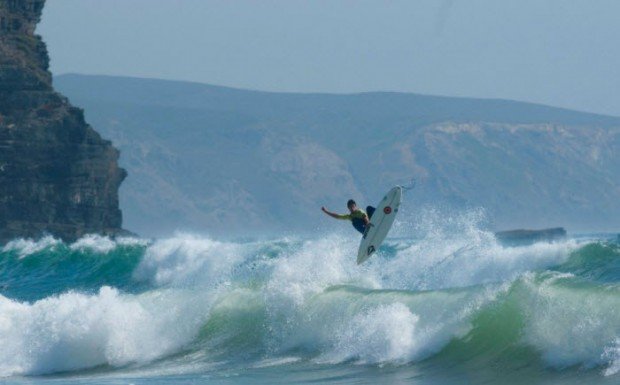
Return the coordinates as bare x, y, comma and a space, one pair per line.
57, 175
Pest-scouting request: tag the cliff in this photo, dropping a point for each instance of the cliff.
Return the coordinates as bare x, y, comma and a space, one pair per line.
57, 175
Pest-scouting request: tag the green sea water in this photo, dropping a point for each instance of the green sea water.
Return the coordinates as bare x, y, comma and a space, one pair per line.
434, 307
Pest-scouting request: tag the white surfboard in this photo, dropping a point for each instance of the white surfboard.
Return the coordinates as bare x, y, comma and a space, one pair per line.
380, 224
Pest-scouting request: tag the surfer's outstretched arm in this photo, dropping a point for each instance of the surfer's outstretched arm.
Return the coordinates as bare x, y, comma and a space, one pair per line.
334, 215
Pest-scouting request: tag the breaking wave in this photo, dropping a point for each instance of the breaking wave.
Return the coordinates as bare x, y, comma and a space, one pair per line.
192, 303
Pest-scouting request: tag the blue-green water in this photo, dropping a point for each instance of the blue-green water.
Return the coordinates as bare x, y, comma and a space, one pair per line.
437, 308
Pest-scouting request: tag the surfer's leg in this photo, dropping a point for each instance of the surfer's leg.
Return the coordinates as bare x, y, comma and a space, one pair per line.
370, 210
359, 225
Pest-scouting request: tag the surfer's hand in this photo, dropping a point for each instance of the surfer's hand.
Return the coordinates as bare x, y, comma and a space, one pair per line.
324, 209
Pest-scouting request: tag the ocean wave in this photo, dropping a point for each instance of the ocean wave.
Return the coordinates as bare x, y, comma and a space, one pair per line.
104, 244
35, 269
612, 356
25, 247
188, 259
75, 331
195, 301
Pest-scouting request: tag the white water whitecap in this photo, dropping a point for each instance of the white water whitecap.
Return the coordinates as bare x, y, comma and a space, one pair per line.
26, 247
571, 325
454, 251
76, 331
93, 242
612, 356
189, 260
104, 244
384, 333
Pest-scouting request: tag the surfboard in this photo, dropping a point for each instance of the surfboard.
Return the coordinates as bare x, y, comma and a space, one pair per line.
380, 224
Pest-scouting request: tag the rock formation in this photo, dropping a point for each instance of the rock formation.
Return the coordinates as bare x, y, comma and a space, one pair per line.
57, 175
523, 237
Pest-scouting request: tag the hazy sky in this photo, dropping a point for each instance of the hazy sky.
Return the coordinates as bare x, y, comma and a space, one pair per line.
559, 52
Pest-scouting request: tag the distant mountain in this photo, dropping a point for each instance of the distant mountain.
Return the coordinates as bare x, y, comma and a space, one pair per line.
235, 161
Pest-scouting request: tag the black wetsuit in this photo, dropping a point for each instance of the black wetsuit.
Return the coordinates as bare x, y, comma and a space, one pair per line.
359, 224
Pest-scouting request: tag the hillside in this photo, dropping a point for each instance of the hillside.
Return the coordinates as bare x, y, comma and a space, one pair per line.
229, 161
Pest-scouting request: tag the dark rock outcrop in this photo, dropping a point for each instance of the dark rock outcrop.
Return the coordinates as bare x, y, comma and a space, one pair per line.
57, 175
528, 237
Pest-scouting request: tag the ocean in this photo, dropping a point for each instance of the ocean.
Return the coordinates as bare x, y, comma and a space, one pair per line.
442, 302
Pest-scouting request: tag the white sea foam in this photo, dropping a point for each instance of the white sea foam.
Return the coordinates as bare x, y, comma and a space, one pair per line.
314, 266
95, 243
611, 355
92, 242
104, 244
26, 247
310, 296
189, 259
383, 333
571, 325
77, 331
453, 251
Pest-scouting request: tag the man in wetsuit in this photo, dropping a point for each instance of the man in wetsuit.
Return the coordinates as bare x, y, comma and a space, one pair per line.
357, 216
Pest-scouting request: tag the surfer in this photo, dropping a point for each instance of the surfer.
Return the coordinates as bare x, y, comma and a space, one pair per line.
358, 217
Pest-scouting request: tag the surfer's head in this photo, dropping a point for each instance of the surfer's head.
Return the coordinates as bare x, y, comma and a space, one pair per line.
351, 205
